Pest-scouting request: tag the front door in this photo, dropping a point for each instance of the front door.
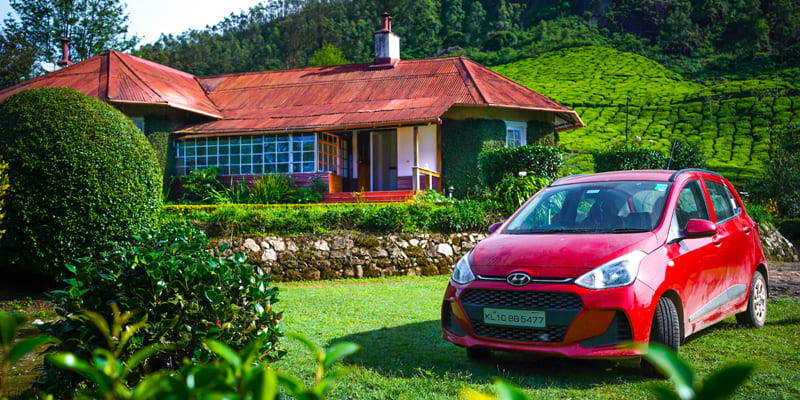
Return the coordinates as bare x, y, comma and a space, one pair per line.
384, 160
363, 168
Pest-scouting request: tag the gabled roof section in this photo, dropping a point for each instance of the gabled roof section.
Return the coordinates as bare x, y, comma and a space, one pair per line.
361, 96
122, 78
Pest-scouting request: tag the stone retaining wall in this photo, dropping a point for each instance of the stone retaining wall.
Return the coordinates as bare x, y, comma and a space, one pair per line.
354, 255
358, 255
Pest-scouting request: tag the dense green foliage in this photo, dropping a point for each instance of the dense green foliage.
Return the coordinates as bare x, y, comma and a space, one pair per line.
683, 155
733, 120
80, 173
462, 141
92, 26
182, 294
628, 158
202, 186
782, 173
541, 161
18, 60
696, 36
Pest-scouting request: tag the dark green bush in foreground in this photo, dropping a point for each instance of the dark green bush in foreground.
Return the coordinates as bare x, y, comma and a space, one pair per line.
628, 158
81, 175
181, 292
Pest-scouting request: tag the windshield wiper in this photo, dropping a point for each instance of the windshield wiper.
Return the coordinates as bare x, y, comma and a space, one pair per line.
629, 230
560, 230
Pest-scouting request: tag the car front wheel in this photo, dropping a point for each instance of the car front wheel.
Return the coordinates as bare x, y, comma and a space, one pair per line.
756, 313
666, 330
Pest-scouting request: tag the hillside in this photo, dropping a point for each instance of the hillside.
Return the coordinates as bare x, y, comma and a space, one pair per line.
731, 118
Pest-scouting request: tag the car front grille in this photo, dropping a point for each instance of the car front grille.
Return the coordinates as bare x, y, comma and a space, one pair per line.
522, 299
560, 308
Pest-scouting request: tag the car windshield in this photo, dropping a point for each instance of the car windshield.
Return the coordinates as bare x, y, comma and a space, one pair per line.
595, 207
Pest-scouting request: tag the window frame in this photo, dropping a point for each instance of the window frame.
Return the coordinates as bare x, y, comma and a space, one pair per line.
516, 127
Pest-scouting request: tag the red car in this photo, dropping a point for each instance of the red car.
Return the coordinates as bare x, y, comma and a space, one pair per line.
593, 262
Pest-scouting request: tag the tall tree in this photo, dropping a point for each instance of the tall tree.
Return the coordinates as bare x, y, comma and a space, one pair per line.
91, 26
18, 60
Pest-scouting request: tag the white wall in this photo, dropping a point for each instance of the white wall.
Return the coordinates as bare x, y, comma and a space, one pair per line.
405, 148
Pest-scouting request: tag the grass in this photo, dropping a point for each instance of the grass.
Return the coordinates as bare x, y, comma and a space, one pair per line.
732, 118
396, 321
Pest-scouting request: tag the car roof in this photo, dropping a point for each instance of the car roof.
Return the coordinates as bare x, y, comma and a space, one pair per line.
631, 175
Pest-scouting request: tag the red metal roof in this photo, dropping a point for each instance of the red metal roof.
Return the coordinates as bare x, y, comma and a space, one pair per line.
121, 78
362, 95
307, 99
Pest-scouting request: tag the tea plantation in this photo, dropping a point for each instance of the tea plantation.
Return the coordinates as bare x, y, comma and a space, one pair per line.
731, 118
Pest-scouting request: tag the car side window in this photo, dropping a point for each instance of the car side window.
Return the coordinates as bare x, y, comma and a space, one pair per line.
722, 201
691, 204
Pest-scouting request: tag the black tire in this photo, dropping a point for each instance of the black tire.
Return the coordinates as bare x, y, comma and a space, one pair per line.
756, 313
666, 330
478, 353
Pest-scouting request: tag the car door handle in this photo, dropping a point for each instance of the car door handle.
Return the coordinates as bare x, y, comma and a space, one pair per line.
716, 240
747, 230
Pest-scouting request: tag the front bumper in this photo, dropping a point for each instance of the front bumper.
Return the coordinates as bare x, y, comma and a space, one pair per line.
581, 323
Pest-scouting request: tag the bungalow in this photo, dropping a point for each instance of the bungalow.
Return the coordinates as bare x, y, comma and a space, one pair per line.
388, 125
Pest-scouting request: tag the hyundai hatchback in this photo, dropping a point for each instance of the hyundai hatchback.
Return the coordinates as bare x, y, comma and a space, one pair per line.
593, 262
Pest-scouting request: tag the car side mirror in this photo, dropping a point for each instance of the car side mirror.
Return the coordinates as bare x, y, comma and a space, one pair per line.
495, 226
696, 228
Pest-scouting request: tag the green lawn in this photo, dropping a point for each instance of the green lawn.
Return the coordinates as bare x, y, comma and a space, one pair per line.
396, 321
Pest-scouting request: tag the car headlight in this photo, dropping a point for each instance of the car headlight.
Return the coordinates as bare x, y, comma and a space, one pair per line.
463, 272
618, 272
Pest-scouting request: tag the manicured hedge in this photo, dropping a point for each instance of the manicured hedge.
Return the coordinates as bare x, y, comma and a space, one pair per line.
81, 175
539, 161
628, 158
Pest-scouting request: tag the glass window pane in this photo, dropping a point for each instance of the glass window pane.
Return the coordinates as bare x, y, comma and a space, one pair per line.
283, 157
246, 159
223, 150
270, 168
234, 149
257, 169
212, 160
201, 151
224, 170
283, 168
283, 147
257, 158
308, 167
246, 169
212, 151
190, 151
308, 146
180, 171
270, 148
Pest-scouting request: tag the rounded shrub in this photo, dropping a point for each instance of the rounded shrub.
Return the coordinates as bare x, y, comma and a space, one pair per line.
81, 175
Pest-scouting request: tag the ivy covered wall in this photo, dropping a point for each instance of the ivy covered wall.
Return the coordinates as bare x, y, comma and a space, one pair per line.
461, 142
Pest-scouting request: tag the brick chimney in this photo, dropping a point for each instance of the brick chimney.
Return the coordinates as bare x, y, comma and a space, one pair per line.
387, 44
64, 61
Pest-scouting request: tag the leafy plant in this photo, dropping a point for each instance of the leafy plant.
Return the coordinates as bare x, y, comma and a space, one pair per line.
232, 374
12, 352
513, 191
721, 384
627, 158
201, 186
381, 219
185, 293
304, 195
271, 189
81, 176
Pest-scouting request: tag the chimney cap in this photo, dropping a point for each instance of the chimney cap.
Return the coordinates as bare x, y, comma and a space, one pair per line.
64, 61
386, 22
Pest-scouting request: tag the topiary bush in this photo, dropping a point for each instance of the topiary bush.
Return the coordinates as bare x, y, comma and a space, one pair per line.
81, 175
535, 160
181, 293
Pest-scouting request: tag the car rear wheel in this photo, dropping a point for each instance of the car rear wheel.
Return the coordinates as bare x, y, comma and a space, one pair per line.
478, 353
756, 313
666, 330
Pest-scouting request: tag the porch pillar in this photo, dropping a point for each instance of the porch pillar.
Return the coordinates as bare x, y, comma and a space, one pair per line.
415, 166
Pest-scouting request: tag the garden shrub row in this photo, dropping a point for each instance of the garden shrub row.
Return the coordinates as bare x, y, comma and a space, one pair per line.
448, 217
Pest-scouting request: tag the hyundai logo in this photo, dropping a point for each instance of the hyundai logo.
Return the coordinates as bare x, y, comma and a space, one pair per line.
518, 279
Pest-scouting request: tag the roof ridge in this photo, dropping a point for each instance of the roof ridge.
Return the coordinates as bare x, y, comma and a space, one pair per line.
133, 71
470, 81
316, 83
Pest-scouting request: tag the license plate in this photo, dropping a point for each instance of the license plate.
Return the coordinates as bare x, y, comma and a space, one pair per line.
519, 318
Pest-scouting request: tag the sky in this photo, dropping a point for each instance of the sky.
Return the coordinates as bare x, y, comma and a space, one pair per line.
149, 18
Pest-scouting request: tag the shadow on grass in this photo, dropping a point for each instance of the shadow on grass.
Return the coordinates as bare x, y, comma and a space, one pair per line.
418, 349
